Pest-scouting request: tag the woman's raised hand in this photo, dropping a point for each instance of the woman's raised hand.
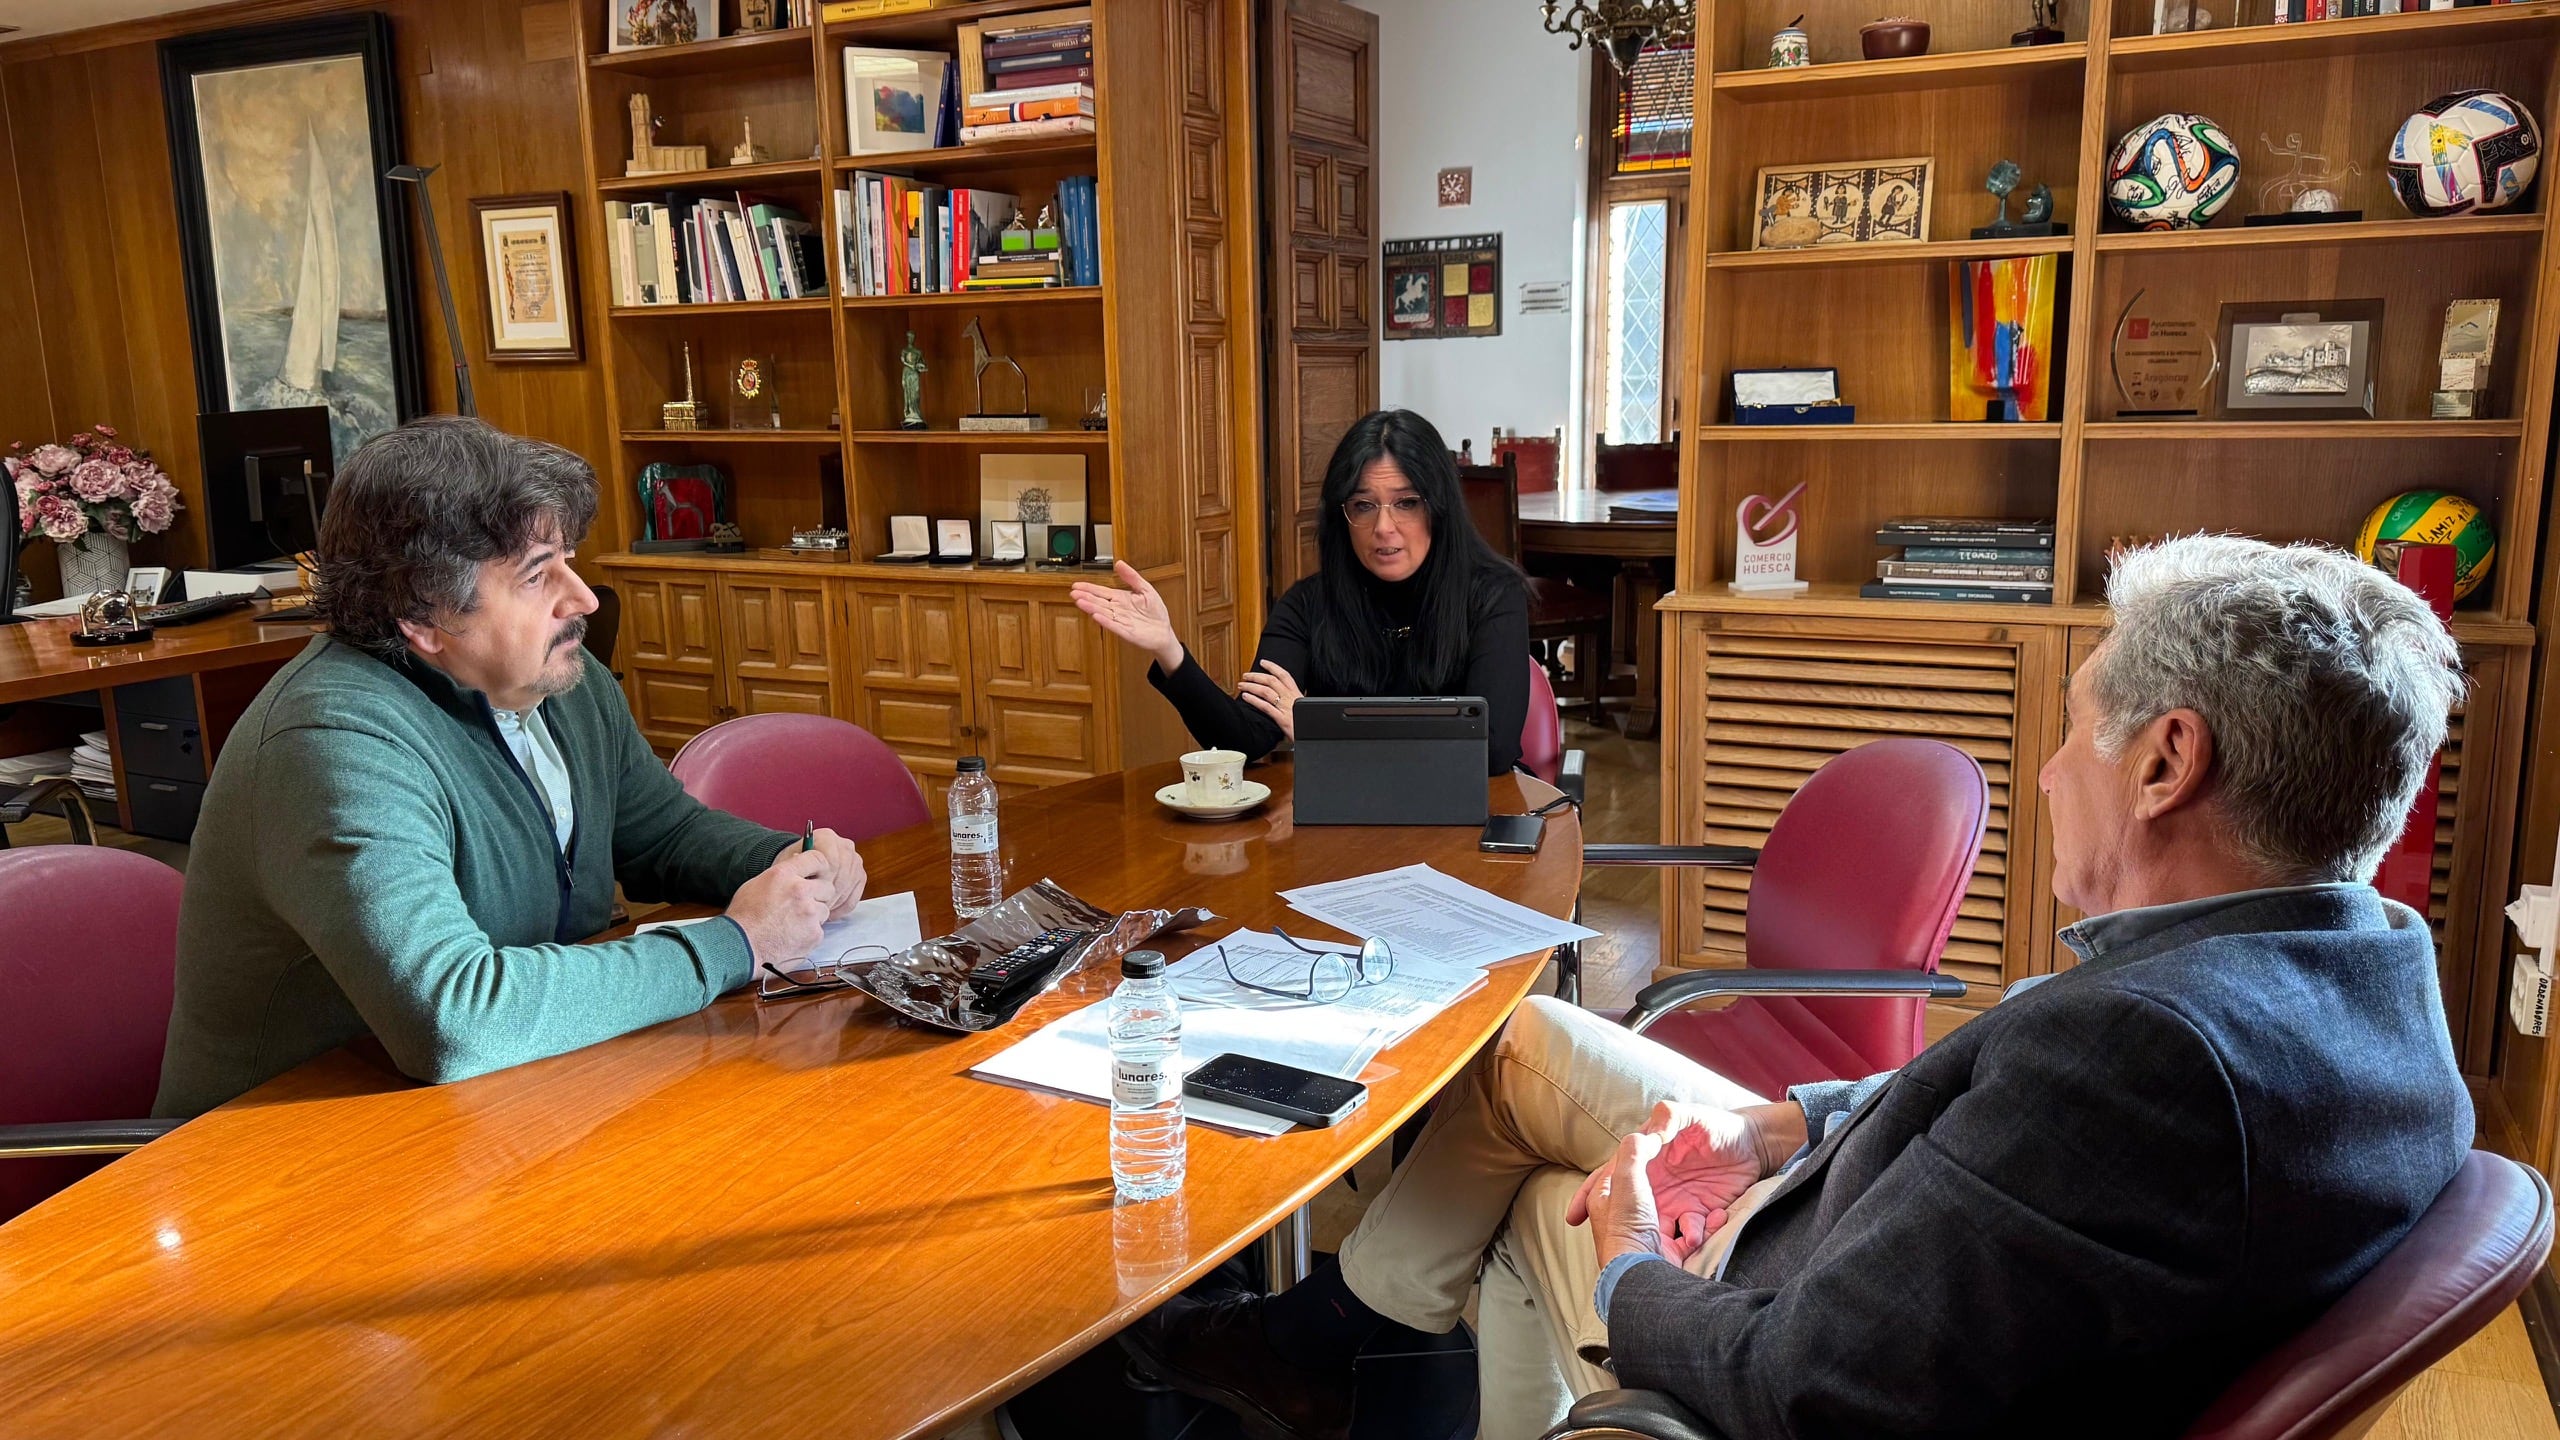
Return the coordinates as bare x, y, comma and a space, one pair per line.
1136, 614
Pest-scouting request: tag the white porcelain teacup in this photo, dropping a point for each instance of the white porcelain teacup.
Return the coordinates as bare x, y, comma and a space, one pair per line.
1212, 777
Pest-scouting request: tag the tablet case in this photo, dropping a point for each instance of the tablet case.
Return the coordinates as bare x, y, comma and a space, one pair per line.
1415, 760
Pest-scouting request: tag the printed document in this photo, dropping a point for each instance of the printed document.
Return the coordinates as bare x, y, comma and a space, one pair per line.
888, 922
1431, 917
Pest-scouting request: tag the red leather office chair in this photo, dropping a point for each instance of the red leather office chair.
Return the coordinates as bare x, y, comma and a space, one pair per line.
1542, 751
88, 962
1852, 898
783, 771
2466, 1259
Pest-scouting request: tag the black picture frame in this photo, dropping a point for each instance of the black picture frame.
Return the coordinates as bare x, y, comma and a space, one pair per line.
366, 35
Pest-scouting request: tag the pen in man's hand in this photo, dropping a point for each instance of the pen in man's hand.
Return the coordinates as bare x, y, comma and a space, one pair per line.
808, 836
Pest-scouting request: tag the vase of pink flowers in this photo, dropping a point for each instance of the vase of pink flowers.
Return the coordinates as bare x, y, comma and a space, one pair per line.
90, 495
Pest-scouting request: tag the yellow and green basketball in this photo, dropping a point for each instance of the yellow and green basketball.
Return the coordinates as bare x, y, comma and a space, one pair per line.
2435, 517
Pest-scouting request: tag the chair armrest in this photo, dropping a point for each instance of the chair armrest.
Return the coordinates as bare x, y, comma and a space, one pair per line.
1703, 857
1629, 1415
1664, 996
83, 1137
1571, 777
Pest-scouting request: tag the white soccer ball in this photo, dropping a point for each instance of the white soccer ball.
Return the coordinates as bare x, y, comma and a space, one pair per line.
2174, 173
2467, 151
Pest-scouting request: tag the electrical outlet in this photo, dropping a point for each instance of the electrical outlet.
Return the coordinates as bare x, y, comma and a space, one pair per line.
2529, 997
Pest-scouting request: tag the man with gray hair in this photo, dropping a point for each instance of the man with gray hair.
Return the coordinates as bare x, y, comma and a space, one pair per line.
2083, 1212
421, 815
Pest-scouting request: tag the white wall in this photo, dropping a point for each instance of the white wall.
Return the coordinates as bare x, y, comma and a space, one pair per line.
1479, 82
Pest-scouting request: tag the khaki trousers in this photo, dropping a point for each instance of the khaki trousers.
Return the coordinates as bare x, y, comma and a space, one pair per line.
1483, 1194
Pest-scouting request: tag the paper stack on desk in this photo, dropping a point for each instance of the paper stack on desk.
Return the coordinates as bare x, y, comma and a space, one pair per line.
1072, 1056
1426, 915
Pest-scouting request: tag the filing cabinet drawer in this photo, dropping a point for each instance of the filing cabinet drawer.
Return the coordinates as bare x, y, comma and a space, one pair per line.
165, 808
170, 699
162, 746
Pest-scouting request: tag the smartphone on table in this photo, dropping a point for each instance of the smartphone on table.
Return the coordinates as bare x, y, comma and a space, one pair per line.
1267, 1087
1512, 834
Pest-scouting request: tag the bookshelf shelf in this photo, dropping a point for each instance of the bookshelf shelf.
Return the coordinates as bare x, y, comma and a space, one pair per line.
719, 177
1852, 434
2537, 21
927, 27
1923, 253
1050, 295
1952, 71
815, 305
2101, 430
730, 53
2498, 226
973, 159
999, 439
734, 437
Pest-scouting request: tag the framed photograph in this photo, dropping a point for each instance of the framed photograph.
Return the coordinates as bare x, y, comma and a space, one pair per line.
294, 246
1850, 202
1442, 289
2301, 360
1005, 546
893, 99
147, 582
640, 24
529, 276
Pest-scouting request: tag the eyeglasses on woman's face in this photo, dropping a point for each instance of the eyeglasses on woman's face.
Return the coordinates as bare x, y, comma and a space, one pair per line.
1363, 512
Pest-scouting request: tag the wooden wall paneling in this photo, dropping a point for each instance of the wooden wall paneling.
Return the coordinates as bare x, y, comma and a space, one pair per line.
1137, 93
1043, 686
26, 389
2494, 804
778, 639
671, 652
910, 670
2081, 372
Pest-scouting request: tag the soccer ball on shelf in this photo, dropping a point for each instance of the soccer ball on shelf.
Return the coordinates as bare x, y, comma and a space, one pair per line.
2435, 517
2470, 150
2173, 173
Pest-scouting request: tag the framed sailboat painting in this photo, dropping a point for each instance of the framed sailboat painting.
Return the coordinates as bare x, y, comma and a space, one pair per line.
296, 246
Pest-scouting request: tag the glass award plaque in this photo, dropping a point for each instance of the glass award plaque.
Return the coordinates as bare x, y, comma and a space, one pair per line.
2163, 363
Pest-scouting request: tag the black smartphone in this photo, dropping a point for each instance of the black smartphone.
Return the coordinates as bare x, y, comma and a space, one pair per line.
1267, 1087
1512, 834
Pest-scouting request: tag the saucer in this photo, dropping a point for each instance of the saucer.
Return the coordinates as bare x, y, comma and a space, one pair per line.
1248, 794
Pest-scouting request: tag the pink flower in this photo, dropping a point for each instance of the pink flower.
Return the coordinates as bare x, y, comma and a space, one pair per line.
156, 509
95, 480
107, 430
61, 518
53, 459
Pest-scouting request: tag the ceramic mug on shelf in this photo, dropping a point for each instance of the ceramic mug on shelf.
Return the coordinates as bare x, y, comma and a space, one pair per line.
1212, 777
1790, 48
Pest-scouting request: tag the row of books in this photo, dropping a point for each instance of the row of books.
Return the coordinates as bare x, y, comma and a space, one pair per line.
1959, 558
900, 236
2295, 12
707, 251
1031, 52
1027, 114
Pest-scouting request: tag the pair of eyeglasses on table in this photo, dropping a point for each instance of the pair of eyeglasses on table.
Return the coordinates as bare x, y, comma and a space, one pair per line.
1331, 974
806, 977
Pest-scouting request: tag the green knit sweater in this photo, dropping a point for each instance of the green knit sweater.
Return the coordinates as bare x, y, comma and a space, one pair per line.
371, 859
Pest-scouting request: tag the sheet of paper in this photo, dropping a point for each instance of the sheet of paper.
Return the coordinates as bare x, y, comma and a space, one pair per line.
1073, 1057
50, 609
1431, 917
886, 921
1386, 1011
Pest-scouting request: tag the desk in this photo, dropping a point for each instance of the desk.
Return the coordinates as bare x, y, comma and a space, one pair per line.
790, 1219
219, 666
1578, 523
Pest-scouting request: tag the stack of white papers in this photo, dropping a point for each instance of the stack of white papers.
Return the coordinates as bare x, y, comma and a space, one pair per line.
43, 764
1428, 916
92, 768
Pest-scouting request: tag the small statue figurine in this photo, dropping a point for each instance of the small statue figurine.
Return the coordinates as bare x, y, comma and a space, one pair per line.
1044, 234
2046, 24
911, 386
2305, 190
1015, 238
748, 151
684, 414
2036, 219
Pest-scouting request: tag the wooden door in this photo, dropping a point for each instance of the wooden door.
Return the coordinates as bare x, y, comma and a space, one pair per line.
910, 674
780, 640
1319, 127
1039, 691
671, 647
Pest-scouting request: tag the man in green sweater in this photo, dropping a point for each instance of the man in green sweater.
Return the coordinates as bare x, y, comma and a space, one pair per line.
418, 819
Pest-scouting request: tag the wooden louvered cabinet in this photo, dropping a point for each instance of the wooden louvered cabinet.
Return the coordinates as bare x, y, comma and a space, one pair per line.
1765, 700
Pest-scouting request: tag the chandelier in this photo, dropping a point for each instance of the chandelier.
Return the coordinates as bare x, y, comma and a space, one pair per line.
1622, 28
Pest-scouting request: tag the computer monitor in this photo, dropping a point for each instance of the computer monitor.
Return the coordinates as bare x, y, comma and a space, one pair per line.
266, 482
9, 545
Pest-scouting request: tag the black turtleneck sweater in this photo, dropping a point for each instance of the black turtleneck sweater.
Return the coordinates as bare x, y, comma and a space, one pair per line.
1497, 668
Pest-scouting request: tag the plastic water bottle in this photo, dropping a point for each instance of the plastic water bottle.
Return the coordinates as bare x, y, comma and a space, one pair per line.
977, 868
1146, 1081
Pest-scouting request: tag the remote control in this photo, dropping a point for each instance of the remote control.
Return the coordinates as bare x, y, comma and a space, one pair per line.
996, 980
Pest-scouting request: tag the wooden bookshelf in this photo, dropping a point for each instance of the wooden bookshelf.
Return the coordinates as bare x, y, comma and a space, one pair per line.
945, 661
1761, 689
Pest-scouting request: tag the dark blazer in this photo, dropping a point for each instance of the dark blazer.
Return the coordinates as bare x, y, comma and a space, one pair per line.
2086, 1211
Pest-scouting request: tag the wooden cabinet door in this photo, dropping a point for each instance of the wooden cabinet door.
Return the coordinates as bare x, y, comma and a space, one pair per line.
780, 638
910, 675
1040, 691
671, 653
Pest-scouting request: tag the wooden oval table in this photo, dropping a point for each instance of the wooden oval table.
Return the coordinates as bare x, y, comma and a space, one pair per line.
791, 1218
1580, 522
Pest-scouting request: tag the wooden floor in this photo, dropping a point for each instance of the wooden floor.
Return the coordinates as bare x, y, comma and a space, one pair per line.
2490, 1389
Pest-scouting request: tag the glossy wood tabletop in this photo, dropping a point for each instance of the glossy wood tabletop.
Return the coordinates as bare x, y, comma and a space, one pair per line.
1579, 522
38, 660
794, 1218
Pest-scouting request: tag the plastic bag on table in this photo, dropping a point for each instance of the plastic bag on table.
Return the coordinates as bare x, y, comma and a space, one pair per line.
928, 981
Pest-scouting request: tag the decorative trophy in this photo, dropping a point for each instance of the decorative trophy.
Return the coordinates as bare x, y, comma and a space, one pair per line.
755, 401
682, 507
684, 414
2035, 219
982, 418
1097, 408
2302, 195
648, 157
1764, 545
757, 16
2462, 360
911, 386
748, 151
1044, 235
2163, 363
2045, 24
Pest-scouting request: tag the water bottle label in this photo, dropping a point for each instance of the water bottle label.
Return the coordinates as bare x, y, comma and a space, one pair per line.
973, 834
1142, 1084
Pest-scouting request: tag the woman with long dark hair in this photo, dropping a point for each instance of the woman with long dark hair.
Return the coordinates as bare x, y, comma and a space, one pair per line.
1407, 600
